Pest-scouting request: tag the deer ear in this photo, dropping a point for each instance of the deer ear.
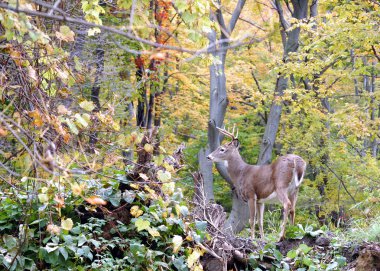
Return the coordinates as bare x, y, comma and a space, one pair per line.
236, 143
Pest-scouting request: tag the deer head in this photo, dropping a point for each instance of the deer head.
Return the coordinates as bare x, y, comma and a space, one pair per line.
224, 152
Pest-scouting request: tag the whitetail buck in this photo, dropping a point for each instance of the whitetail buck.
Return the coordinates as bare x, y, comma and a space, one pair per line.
278, 181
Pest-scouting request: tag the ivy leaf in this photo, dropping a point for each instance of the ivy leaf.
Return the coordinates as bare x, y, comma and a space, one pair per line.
332, 266
277, 254
177, 243
95, 200
148, 148
9, 241
64, 253
87, 105
67, 224
193, 258
62, 110
304, 248
142, 224
164, 176
93, 31
72, 126
81, 120
43, 198
154, 232
65, 33
291, 254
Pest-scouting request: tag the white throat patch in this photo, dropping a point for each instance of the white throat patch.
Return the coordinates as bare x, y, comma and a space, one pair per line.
226, 164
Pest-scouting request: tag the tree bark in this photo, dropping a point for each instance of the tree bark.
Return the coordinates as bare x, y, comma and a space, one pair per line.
205, 168
218, 93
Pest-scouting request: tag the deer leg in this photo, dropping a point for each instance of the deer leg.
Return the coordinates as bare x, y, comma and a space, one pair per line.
283, 197
260, 214
293, 200
252, 212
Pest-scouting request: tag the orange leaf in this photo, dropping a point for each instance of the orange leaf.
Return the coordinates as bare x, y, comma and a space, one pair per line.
158, 56
95, 200
3, 132
60, 201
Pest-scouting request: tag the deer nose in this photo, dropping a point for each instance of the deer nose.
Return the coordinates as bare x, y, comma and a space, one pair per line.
209, 157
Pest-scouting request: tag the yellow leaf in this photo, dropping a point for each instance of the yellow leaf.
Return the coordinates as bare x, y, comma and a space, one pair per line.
65, 33
135, 211
193, 258
67, 224
43, 198
135, 186
154, 232
76, 188
143, 176
148, 148
168, 188
177, 243
87, 105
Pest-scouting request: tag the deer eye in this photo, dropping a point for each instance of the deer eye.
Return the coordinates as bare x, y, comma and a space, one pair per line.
222, 150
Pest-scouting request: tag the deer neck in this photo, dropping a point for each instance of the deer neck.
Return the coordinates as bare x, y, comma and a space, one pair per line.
235, 166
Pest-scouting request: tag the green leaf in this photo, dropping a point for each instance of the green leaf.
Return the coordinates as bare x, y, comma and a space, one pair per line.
72, 126
277, 254
9, 241
341, 260
64, 253
126, 4
291, 254
128, 196
332, 266
304, 248
201, 225
142, 224
307, 261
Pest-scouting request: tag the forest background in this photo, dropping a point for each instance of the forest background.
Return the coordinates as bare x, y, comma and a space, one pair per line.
96, 95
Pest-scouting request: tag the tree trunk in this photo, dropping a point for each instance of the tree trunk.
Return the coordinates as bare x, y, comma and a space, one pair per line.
140, 117
205, 168
240, 212
95, 91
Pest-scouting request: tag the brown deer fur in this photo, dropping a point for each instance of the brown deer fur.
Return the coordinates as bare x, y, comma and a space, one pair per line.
278, 181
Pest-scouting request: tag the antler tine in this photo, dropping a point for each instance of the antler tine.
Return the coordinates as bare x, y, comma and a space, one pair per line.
233, 130
223, 131
237, 133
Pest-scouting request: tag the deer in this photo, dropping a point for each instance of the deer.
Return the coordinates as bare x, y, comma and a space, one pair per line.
259, 184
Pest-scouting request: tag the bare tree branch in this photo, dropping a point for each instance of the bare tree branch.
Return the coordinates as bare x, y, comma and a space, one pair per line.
54, 7
247, 21
375, 52
235, 15
280, 12
128, 35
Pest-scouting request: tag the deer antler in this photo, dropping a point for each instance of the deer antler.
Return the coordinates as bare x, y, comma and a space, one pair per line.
229, 134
